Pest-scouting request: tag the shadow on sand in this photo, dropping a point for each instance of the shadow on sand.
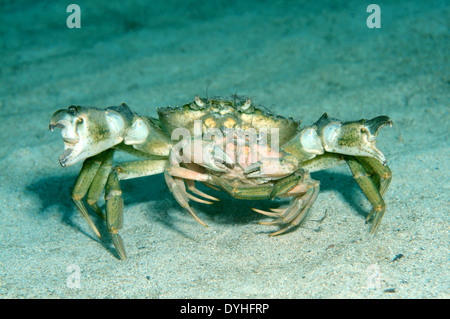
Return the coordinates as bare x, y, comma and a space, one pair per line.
56, 191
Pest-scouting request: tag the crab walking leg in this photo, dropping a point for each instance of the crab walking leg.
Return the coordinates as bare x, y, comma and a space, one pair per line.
178, 171
284, 185
126, 170
98, 184
191, 186
240, 192
84, 181
381, 174
190, 176
113, 195
296, 218
181, 186
370, 189
114, 212
322, 162
176, 186
297, 210
141, 168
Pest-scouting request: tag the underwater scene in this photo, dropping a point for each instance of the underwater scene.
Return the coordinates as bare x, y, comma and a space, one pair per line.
224, 149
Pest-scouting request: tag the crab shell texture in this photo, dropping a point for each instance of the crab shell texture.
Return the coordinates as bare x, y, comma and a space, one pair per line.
93, 135
234, 112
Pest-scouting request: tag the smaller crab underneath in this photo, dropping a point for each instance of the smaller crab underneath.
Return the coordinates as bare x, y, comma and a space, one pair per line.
228, 144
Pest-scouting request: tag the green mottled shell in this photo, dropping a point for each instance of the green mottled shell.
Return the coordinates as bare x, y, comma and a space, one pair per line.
230, 112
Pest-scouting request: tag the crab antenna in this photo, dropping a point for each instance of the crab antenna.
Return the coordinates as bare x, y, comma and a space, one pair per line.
199, 101
246, 105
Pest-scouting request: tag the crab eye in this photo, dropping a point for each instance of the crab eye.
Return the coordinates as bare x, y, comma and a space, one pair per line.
73, 110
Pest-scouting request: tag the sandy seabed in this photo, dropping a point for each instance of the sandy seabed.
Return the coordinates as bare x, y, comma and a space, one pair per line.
297, 58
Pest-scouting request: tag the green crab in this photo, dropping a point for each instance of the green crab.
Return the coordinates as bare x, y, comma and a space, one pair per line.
228, 144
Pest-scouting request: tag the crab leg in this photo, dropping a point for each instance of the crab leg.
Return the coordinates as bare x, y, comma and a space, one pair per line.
87, 174
178, 171
189, 176
176, 186
191, 186
98, 184
381, 173
114, 212
253, 192
322, 162
374, 180
113, 195
141, 168
284, 185
294, 213
125, 171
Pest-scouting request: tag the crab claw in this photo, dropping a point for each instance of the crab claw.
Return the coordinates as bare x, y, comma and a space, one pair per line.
352, 138
87, 131
215, 158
